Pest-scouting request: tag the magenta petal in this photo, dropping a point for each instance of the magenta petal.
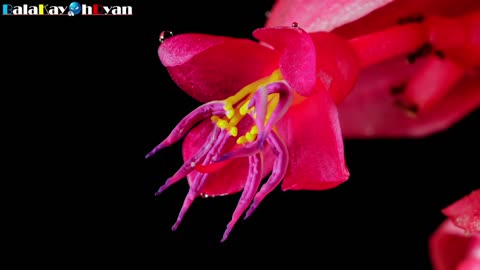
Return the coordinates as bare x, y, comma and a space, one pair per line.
320, 15
213, 67
451, 249
370, 111
465, 213
314, 140
232, 177
297, 60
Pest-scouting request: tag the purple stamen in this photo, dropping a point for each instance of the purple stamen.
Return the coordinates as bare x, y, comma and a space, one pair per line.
280, 165
191, 196
189, 165
251, 187
200, 113
259, 100
201, 178
284, 102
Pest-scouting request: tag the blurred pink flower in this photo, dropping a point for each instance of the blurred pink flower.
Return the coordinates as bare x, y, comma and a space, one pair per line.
455, 245
419, 60
465, 213
452, 249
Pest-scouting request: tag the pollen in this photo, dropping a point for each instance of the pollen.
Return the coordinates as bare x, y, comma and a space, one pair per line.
222, 123
237, 106
244, 109
242, 140
233, 131
250, 137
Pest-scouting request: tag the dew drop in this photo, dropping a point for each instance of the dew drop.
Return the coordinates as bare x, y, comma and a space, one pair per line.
164, 35
295, 24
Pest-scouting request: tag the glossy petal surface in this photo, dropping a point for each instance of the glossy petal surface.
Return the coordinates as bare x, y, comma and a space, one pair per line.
213, 67
297, 60
312, 133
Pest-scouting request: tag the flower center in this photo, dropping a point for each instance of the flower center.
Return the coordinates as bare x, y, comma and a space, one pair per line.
239, 105
265, 102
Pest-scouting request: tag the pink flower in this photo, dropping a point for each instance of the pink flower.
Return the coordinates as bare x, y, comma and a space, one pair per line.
455, 245
270, 108
419, 60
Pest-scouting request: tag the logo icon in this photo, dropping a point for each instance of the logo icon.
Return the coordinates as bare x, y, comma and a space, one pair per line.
74, 9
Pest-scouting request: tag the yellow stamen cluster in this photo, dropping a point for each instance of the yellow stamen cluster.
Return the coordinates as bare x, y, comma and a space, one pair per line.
236, 107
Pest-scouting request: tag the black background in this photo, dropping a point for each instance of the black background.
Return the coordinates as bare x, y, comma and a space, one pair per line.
85, 98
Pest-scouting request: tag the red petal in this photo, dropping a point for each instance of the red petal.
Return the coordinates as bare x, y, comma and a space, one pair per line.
297, 60
465, 213
232, 175
335, 58
325, 15
312, 133
369, 111
451, 249
212, 67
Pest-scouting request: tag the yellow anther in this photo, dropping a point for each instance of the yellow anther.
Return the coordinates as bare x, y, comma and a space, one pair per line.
236, 107
230, 113
228, 106
214, 118
250, 137
244, 108
233, 131
251, 88
242, 140
222, 123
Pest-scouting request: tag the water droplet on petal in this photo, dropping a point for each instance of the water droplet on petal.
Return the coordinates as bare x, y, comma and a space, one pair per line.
164, 35
295, 24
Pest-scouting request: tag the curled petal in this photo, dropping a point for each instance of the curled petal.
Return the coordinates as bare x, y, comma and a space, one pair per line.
312, 132
320, 15
196, 62
297, 60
